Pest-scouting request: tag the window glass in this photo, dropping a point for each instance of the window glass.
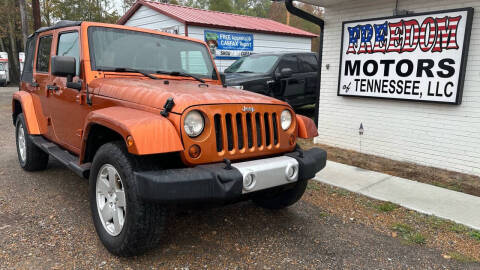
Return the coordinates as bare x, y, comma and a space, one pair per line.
192, 62
27, 73
119, 48
308, 63
253, 64
289, 61
43, 57
68, 46
2, 67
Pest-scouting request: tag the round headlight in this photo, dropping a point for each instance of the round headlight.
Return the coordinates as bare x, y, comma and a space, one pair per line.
194, 124
286, 119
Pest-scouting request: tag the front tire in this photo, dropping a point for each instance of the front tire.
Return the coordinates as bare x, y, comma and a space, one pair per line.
30, 157
281, 199
125, 224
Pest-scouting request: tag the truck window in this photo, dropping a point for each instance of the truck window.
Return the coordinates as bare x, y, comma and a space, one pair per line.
68, 46
289, 61
27, 74
43, 57
308, 63
112, 48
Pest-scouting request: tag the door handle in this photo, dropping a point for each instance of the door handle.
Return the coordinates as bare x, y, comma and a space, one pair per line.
53, 88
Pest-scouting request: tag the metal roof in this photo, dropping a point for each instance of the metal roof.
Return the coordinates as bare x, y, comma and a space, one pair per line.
215, 19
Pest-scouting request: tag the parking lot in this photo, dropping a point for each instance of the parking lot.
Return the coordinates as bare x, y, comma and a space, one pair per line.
45, 223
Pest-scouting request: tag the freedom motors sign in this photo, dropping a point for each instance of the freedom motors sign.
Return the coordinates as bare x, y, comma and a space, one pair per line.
419, 57
227, 45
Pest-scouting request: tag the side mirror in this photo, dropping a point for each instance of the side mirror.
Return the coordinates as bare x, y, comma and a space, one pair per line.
286, 73
65, 66
222, 78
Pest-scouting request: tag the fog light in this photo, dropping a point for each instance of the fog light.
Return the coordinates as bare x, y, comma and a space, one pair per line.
249, 181
194, 151
291, 172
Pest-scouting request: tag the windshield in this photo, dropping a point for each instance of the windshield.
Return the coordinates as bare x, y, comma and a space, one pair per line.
112, 48
253, 64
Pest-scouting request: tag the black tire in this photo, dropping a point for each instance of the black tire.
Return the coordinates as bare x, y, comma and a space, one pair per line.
36, 159
144, 221
281, 199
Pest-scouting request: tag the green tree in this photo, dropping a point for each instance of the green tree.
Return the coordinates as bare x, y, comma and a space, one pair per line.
220, 5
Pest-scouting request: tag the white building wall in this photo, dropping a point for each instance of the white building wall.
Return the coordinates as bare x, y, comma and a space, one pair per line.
262, 43
146, 17
438, 135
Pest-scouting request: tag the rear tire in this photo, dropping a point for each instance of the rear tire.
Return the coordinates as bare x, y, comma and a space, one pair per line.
143, 222
281, 199
31, 157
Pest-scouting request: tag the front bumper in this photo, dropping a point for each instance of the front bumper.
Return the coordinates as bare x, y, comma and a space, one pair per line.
217, 182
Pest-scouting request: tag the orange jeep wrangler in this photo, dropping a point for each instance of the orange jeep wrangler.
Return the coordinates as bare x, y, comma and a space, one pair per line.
144, 116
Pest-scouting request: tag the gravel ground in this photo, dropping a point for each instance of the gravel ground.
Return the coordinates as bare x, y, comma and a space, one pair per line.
45, 223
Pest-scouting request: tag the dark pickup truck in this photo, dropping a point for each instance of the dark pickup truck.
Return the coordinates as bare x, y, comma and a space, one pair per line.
291, 77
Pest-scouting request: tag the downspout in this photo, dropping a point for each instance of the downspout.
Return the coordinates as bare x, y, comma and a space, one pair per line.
318, 21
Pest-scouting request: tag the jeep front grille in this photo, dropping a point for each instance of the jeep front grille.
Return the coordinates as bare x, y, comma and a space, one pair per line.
250, 130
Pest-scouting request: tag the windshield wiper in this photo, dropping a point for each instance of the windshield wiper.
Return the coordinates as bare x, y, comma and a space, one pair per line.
178, 73
146, 74
245, 71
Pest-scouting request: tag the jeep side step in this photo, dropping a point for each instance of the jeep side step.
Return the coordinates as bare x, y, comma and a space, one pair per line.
62, 155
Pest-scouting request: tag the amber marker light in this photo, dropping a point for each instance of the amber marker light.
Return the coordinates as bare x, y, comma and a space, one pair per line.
129, 141
292, 139
194, 151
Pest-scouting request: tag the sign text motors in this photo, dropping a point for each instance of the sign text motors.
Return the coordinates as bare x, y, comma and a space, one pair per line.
418, 57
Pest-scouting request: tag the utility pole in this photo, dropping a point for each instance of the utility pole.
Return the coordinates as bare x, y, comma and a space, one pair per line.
37, 22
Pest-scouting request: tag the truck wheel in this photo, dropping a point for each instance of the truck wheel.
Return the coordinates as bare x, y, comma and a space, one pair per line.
125, 224
282, 199
31, 157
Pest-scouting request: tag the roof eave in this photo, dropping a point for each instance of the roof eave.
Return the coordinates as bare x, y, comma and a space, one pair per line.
309, 35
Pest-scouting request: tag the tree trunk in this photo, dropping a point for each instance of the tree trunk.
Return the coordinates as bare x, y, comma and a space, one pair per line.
2, 46
37, 22
13, 60
23, 17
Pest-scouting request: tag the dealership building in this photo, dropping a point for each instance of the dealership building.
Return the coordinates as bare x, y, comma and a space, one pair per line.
229, 36
406, 75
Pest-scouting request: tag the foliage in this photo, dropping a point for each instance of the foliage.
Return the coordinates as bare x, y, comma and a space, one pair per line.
385, 207
408, 234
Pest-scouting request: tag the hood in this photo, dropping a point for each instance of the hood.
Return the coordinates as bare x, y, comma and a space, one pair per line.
185, 93
238, 78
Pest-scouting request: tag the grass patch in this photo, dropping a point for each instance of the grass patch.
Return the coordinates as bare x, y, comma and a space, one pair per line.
475, 235
385, 207
458, 228
461, 257
313, 186
408, 234
451, 186
338, 191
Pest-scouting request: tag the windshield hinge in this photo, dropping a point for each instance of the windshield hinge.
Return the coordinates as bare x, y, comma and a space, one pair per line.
167, 107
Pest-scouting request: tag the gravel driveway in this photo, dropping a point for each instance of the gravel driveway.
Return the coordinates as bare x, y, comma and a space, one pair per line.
45, 223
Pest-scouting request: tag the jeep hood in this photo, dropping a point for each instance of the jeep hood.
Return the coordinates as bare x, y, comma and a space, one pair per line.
185, 93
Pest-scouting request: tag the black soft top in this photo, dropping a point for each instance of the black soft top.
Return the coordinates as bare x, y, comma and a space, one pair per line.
60, 24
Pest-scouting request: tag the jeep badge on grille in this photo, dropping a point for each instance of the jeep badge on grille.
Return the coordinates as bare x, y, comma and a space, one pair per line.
248, 109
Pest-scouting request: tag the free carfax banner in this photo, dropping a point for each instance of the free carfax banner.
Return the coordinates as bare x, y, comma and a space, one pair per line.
226, 45
419, 57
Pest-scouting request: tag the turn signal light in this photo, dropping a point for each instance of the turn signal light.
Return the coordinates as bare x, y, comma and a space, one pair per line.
129, 141
194, 151
292, 140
